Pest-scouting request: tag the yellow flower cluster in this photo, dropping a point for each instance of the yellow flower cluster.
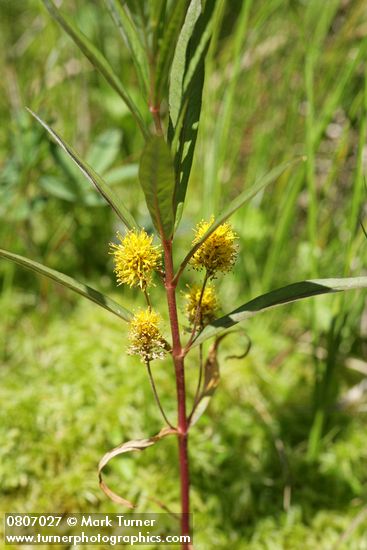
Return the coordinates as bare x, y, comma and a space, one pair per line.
145, 336
208, 307
218, 252
135, 258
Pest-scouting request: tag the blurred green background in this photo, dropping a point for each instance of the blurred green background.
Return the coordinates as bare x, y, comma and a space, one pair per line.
279, 459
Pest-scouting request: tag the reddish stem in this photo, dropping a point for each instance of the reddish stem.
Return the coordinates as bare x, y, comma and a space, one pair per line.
155, 110
178, 360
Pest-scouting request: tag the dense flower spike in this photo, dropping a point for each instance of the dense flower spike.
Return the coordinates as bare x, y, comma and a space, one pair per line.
145, 336
209, 304
218, 252
135, 258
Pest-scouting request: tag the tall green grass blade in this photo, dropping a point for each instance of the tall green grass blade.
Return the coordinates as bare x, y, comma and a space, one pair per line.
358, 180
316, 29
281, 296
287, 208
157, 179
317, 25
97, 59
327, 382
70, 283
92, 176
222, 142
312, 210
332, 100
131, 37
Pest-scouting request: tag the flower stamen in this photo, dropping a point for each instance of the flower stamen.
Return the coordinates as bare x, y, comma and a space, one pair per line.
218, 253
145, 337
135, 258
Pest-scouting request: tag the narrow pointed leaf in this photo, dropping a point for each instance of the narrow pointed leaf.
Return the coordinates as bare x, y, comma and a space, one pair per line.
200, 51
157, 179
97, 59
129, 446
92, 176
182, 134
248, 194
238, 202
166, 51
159, 14
179, 61
68, 282
131, 37
281, 296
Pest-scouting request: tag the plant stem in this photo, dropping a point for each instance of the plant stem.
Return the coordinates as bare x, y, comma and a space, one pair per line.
178, 360
152, 383
197, 314
147, 299
155, 110
197, 393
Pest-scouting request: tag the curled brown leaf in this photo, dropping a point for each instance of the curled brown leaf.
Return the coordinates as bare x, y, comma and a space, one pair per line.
129, 446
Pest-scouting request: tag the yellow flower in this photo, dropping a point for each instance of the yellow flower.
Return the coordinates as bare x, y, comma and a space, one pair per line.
209, 304
135, 258
218, 252
145, 336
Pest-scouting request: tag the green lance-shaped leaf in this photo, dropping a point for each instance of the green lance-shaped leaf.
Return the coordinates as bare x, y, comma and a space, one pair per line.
92, 176
165, 51
248, 194
131, 37
183, 128
158, 14
157, 179
281, 296
237, 203
97, 59
129, 446
179, 61
68, 282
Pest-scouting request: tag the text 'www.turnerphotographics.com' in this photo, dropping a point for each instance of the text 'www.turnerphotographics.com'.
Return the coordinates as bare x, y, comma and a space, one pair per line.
84, 529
